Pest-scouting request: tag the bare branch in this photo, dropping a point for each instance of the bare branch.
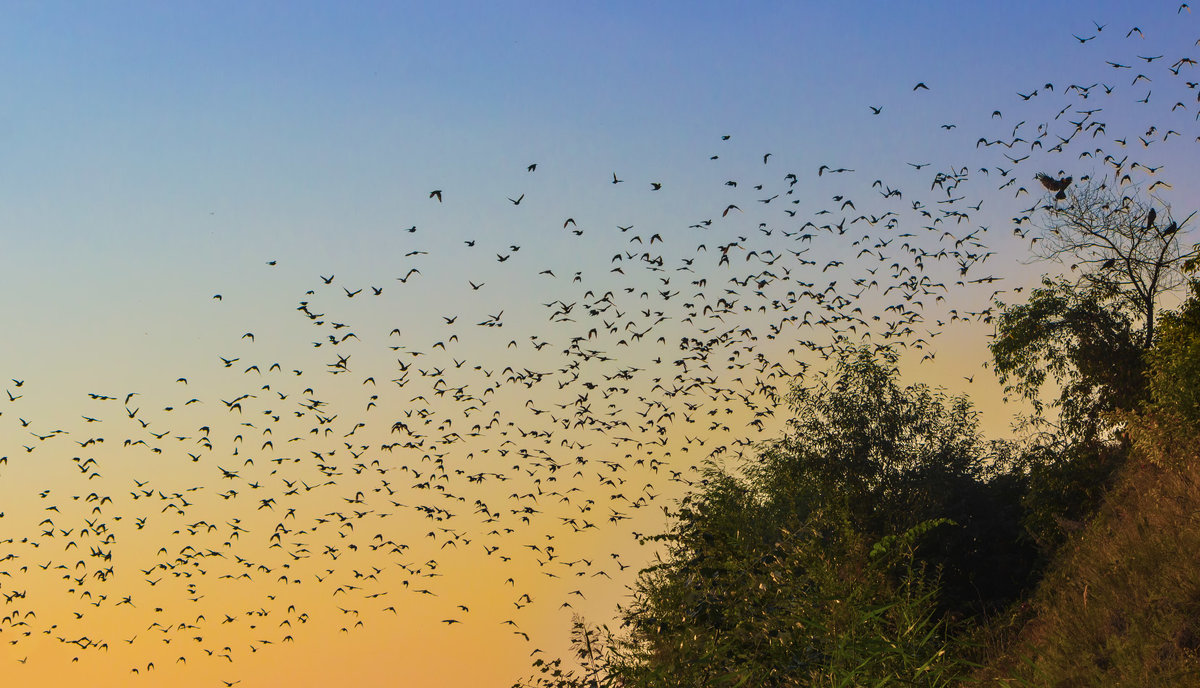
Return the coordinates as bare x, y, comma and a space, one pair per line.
1121, 240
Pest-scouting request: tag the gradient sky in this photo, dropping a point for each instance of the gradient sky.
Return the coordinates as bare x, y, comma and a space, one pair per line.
157, 154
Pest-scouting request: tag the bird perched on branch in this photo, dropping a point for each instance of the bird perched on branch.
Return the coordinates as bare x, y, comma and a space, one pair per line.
1057, 186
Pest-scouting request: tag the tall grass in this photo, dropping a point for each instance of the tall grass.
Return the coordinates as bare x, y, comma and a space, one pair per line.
1121, 603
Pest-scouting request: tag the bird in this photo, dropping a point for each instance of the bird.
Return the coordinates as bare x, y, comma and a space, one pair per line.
1056, 186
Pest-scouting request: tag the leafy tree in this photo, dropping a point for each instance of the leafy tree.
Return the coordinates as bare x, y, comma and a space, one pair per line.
1175, 363
834, 559
888, 458
859, 438
1084, 338
1090, 333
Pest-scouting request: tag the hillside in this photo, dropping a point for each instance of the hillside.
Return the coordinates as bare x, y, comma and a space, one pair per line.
1120, 605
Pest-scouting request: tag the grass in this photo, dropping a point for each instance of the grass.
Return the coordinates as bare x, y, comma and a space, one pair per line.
1120, 606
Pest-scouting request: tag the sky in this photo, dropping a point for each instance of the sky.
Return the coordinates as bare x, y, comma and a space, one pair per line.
597, 301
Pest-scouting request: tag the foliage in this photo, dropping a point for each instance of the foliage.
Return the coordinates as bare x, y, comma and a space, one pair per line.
1063, 488
907, 540
1175, 363
861, 440
891, 457
790, 616
768, 578
1083, 338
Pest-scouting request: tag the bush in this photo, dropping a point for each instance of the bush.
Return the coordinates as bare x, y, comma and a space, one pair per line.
1175, 363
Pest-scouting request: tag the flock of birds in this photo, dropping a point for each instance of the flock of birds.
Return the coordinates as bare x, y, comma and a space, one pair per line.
509, 431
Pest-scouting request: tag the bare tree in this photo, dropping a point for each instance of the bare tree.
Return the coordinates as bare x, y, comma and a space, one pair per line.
1123, 241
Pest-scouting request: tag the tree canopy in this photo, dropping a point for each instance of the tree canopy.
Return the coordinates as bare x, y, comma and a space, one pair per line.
834, 558
1082, 337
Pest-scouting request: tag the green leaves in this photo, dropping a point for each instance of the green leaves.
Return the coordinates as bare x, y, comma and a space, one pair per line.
906, 541
1082, 338
835, 558
768, 579
1175, 363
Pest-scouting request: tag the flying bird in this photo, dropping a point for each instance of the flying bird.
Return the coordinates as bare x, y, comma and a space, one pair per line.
1056, 186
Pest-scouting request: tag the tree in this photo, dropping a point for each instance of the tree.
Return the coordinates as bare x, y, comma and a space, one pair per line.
1119, 242
1084, 338
1175, 364
886, 458
1090, 332
833, 560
